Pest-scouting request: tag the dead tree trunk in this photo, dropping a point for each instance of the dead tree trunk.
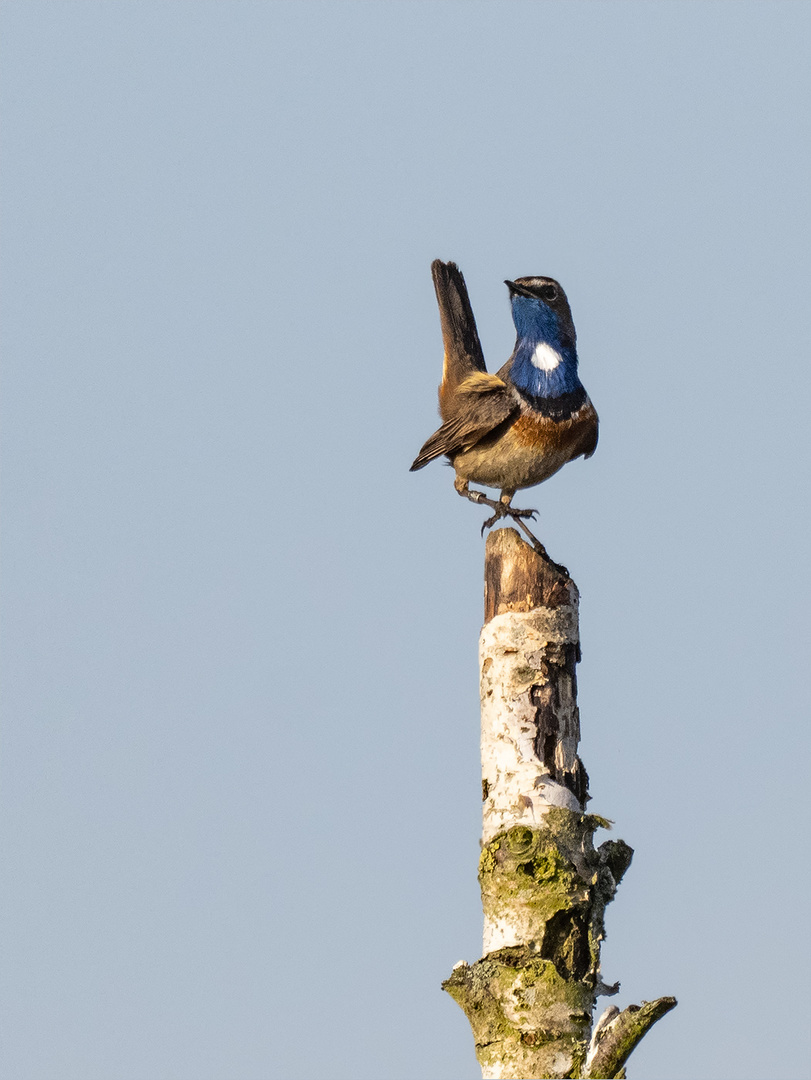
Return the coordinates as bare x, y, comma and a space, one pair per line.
544, 886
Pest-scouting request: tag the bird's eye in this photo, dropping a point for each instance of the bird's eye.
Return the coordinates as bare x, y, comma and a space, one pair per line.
548, 292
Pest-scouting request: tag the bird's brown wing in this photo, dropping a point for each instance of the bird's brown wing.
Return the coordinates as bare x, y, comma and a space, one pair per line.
463, 351
480, 403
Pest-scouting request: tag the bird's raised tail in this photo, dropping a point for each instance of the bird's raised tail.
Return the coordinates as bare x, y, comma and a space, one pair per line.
463, 351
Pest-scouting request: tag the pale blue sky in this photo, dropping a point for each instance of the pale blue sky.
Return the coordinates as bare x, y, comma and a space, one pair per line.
241, 737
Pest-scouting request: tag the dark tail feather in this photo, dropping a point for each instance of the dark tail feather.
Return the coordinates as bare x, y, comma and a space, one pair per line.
463, 351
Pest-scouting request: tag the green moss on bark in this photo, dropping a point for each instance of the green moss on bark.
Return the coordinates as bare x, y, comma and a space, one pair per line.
544, 892
522, 1012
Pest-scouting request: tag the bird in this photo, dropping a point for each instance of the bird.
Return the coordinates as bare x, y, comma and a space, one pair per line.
514, 429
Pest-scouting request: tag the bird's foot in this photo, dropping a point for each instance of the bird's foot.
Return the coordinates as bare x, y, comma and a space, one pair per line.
502, 510
516, 515
513, 513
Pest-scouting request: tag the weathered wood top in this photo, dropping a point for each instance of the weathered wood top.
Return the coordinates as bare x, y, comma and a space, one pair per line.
517, 577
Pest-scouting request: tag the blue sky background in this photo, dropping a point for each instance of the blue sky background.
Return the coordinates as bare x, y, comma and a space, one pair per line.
241, 740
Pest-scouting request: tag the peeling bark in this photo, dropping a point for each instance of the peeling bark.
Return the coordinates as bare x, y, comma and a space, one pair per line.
544, 885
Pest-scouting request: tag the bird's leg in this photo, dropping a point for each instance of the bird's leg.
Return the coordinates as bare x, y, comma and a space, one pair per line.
478, 497
501, 507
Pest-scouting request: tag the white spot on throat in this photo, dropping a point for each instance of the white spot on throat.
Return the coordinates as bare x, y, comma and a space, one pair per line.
545, 358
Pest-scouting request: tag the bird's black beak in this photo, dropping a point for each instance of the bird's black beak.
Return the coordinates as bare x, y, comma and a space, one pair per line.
519, 290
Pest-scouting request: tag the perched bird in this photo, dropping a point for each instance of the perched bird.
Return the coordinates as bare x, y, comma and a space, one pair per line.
517, 428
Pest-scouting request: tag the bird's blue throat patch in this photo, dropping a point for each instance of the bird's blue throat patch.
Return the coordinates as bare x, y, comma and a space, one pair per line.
544, 365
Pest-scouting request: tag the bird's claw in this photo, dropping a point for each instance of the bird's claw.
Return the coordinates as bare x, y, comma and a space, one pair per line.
503, 510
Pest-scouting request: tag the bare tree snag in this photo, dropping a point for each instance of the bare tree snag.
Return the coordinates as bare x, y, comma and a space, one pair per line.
544, 886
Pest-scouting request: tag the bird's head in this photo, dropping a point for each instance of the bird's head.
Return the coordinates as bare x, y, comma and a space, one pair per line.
541, 311
544, 362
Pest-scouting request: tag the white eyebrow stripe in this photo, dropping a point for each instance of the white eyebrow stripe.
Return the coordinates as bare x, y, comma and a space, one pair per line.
545, 358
